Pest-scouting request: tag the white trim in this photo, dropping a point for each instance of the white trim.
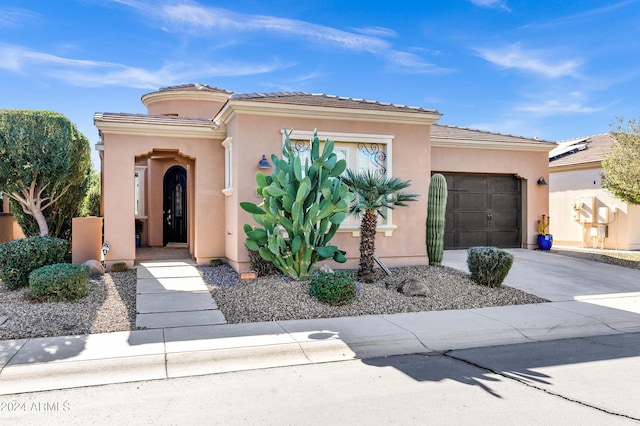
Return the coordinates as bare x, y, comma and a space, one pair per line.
228, 166
141, 171
341, 136
499, 145
324, 113
355, 229
150, 127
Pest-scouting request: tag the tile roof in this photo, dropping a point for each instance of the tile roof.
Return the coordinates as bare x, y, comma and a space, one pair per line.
588, 149
445, 132
194, 86
323, 100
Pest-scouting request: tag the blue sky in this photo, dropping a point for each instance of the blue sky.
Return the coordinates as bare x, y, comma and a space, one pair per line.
554, 69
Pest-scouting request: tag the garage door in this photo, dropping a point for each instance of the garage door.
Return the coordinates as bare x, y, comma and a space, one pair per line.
483, 210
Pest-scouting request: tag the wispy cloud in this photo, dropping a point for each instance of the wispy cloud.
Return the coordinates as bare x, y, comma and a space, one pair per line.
13, 17
553, 104
589, 13
531, 60
199, 20
89, 73
493, 4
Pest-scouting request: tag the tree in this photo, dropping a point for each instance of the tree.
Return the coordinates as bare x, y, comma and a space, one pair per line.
374, 193
45, 166
621, 166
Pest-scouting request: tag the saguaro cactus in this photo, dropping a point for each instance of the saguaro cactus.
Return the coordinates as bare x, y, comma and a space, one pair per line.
436, 207
303, 207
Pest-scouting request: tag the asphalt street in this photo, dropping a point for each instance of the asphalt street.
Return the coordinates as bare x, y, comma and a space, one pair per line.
580, 381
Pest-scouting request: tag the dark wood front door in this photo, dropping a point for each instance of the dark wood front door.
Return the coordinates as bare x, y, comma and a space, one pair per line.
175, 205
483, 210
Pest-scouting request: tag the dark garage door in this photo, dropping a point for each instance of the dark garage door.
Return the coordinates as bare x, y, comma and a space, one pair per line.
483, 210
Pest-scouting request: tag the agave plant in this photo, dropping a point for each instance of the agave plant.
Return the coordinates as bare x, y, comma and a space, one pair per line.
302, 209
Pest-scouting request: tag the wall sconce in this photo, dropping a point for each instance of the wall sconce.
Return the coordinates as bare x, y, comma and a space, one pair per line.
264, 163
541, 181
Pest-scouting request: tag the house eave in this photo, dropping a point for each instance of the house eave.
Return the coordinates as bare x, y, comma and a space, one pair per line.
183, 95
575, 166
156, 126
323, 112
492, 145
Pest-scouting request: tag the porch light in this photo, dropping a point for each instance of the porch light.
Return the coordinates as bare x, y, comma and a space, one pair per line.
264, 163
541, 181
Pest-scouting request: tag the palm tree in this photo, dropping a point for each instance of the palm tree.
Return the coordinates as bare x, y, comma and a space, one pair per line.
374, 193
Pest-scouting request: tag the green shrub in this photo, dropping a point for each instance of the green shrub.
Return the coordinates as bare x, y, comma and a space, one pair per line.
62, 282
261, 266
489, 265
335, 289
119, 267
215, 262
18, 258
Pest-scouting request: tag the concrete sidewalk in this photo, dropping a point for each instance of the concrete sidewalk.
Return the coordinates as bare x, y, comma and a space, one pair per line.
577, 310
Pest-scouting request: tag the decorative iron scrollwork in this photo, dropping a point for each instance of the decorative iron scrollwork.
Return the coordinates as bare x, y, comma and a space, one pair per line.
376, 156
300, 145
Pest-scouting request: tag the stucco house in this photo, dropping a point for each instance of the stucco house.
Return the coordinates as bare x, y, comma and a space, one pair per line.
183, 168
583, 213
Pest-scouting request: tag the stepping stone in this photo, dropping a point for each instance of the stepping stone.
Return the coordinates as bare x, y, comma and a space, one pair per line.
174, 302
168, 272
180, 319
161, 285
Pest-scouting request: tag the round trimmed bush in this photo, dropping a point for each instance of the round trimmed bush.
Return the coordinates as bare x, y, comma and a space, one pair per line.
119, 267
18, 258
335, 289
62, 282
489, 265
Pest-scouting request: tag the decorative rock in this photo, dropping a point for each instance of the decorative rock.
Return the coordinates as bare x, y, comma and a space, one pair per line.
412, 287
95, 267
326, 269
248, 275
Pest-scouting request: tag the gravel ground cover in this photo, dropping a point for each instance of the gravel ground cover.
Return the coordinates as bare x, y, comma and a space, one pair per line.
275, 298
109, 306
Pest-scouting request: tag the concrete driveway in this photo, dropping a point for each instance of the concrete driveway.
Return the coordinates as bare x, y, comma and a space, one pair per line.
561, 278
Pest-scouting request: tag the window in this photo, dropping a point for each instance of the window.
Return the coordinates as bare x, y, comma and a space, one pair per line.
361, 152
139, 191
1, 203
228, 175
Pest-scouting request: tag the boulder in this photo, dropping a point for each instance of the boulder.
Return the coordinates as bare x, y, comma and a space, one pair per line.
95, 267
325, 269
413, 287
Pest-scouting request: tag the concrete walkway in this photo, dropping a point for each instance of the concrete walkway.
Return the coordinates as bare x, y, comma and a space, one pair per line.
588, 299
171, 293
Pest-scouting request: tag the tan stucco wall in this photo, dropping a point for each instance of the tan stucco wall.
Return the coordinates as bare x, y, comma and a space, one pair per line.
87, 239
204, 160
257, 135
527, 165
185, 108
569, 186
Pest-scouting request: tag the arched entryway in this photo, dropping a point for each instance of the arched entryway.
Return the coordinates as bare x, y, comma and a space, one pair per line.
175, 205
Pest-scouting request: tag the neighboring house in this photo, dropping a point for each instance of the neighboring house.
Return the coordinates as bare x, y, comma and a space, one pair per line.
583, 213
194, 158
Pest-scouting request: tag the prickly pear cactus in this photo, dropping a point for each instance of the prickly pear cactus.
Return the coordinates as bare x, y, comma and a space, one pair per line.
303, 207
436, 207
